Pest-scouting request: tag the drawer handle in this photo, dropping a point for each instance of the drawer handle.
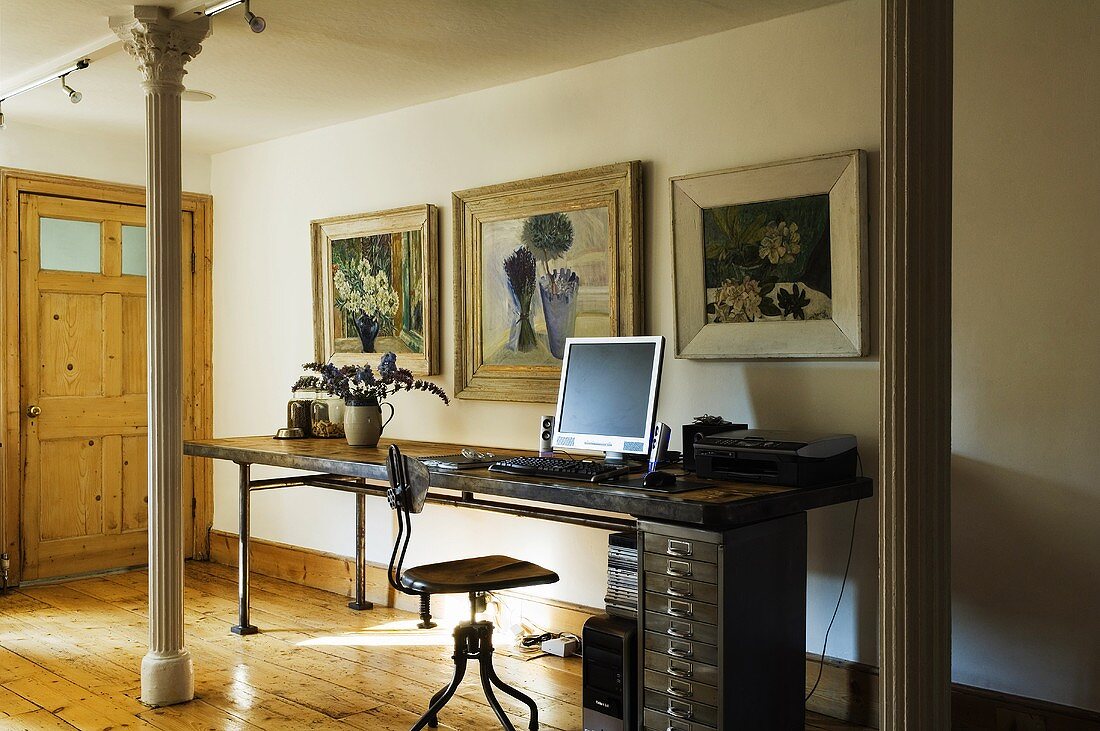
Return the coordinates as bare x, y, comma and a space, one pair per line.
679, 548
679, 568
679, 692
682, 711
685, 670
680, 652
680, 609
674, 590
683, 634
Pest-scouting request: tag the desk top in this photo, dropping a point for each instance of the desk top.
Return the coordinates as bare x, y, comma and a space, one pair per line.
716, 503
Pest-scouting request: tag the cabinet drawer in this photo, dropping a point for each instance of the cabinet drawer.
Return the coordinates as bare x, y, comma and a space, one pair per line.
686, 669
681, 710
681, 568
681, 629
681, 608
685, 690
681, 588
681, 649
656, 721
681, 548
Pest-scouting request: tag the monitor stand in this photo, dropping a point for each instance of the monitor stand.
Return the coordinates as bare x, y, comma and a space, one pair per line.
615, 458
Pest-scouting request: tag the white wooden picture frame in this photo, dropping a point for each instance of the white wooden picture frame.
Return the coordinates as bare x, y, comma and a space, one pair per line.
843, 331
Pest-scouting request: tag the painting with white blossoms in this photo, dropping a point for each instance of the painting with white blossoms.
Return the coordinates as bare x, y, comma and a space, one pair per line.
374, 287
768, 260
378, 297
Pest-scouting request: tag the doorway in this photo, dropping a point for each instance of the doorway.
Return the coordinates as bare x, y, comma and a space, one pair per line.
75, 488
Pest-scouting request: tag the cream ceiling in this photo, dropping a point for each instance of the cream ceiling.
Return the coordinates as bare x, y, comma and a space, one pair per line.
321, 62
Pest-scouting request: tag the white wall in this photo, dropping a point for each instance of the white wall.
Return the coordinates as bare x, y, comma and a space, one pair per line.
1026, 333
800, 85
100, 157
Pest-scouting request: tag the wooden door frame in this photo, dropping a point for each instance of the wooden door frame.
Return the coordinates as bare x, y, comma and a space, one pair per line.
914, 487
198, 404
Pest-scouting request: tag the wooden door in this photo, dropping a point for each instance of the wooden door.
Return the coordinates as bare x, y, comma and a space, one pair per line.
83, 385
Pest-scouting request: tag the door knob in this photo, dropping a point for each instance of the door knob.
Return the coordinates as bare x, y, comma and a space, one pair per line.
33, 411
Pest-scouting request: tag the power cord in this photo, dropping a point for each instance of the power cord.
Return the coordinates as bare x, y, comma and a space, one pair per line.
840, 598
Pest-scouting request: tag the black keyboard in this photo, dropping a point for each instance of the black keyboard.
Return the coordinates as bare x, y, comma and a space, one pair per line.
565, 469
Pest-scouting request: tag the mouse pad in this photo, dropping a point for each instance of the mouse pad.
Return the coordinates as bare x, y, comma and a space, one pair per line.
682, 484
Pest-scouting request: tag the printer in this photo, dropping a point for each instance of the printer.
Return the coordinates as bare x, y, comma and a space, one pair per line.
791, 459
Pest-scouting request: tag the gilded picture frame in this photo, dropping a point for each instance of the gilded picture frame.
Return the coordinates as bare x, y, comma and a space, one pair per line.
538, 261
770, 261
376, 288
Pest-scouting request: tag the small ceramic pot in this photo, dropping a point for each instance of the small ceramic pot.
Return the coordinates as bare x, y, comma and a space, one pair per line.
363, 423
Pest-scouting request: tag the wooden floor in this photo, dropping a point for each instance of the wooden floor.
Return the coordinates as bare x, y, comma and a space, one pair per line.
70, 656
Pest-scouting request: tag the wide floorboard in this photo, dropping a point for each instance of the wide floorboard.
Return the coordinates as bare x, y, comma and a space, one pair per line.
70, 656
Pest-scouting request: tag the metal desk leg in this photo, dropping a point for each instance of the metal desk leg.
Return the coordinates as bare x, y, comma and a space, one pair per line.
361, 602
243, 627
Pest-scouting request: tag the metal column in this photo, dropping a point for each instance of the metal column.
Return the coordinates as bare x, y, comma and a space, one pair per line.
360, 602
243, 627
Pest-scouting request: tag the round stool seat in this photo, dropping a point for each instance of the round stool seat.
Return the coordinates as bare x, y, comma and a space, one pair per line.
485, 573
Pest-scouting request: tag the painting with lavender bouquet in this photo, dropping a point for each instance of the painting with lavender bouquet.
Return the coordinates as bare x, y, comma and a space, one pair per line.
537, 262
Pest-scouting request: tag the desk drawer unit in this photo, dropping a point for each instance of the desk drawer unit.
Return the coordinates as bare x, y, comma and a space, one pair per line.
681, 589
682, 608
657, 721
681, 629
688, 690
683, 669
681, 709
723, 617
680, 568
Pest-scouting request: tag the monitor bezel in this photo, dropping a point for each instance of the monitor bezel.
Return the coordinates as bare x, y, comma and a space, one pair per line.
604, 442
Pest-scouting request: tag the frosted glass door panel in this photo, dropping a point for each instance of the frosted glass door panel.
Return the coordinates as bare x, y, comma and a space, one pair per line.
70, 246
133, 250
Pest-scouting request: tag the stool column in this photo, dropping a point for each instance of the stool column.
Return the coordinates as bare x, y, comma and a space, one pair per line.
162, 46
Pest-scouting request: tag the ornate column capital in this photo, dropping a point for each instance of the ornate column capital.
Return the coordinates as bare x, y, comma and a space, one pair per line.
162, 46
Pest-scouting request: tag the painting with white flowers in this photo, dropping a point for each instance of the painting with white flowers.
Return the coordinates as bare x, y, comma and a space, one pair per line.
373, 287
768, 260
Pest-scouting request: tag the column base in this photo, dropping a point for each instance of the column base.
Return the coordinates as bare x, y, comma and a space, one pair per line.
248, 629
361, 606
167, 679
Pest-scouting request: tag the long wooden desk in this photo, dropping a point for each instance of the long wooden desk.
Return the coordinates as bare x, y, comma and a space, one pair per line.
733, 552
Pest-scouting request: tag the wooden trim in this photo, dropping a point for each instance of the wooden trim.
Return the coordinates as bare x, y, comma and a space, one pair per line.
915, 332
15, 182
977, 709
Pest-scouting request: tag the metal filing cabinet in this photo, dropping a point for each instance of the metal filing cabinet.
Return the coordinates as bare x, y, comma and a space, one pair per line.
723, 619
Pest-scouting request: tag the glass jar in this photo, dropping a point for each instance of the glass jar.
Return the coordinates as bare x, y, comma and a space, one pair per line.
299, 410
327, 416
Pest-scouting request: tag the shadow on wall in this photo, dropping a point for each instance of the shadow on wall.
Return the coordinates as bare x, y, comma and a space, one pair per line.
830, 397
1022, 546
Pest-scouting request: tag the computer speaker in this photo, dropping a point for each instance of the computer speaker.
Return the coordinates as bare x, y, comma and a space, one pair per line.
546, 436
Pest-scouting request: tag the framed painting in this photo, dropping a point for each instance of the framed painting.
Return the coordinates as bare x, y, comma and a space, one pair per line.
375, 288
538, 261
770, 261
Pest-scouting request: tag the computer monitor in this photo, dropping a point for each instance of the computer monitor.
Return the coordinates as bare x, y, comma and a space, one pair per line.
607, 399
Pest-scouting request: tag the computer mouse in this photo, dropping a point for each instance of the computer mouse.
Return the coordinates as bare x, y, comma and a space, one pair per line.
658, 479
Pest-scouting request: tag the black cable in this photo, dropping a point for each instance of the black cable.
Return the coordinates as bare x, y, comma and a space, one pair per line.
839, 599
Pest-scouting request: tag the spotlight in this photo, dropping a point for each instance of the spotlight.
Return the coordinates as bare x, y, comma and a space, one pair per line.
74, 95
255, 22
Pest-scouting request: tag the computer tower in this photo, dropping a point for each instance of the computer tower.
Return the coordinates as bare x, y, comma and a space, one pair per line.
610, 680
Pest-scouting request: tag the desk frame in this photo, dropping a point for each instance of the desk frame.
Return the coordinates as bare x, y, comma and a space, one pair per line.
361, 488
